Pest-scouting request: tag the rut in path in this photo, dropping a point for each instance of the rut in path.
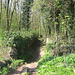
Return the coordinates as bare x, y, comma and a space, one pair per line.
30, 67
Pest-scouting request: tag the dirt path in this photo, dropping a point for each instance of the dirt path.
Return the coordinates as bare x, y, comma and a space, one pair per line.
30, 67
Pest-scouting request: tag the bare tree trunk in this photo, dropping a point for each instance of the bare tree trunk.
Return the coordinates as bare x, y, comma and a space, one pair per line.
0, 10
11, 15
57, 11
19, 15
20, 21
7, 16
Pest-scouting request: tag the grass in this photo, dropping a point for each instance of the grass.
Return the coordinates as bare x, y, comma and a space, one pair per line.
62, 65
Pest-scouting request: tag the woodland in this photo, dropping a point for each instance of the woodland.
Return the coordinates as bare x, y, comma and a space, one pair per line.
28, 24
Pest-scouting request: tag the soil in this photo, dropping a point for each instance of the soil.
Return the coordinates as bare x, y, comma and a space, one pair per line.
29, 67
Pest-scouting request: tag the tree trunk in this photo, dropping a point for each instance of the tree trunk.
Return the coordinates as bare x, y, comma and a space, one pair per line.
0, 10
7, 16
20, 21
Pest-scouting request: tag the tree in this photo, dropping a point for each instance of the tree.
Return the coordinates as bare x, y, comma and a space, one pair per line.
0, 10
12, 10
26, 13
7, 15
55, 16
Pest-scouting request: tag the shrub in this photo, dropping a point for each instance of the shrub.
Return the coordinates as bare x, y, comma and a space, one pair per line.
8, 37
4, 71
16, 63
57, 66
21, 41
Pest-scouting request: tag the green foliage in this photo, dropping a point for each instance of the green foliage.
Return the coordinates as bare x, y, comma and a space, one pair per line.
24, 36
16, 63
57, 66
26, 73
22, 41
0, 37
56, 17
51, 45
53, 18
25, 15
3, 19
4, 71
8, 37
1, 58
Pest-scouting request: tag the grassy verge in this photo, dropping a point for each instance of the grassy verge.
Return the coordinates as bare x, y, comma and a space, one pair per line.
52, 65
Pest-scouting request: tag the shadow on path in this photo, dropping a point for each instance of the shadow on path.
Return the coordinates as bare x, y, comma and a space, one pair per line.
14, 72
35, 51
32, 62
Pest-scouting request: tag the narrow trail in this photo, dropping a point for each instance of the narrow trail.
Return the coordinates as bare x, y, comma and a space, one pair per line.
29, 67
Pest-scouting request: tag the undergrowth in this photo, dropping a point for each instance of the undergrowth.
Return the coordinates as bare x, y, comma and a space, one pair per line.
20, 42
16, 63
64, 65
23, 42
53, 65
10, 67
4, 71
